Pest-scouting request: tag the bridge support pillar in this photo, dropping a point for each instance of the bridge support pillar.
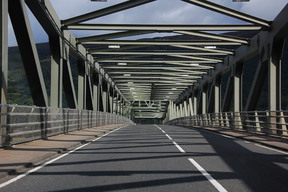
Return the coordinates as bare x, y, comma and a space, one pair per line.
195, 104
4, 65
56, 72
81, 85
204, 100
4, 50
274, 85
96, 90
191, 110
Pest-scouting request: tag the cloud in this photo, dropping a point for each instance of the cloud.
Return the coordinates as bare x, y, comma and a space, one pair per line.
266, 9
157, 12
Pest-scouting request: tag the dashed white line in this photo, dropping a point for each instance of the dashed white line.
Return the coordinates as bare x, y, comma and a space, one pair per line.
168, 137
178, 147
217, 185
52, 161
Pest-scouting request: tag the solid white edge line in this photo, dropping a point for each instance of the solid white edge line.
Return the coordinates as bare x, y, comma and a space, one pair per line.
53, 160
217, 185
269, 148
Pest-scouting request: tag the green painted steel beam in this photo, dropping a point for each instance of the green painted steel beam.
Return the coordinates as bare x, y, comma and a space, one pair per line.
230, 12
160, 43
165, 28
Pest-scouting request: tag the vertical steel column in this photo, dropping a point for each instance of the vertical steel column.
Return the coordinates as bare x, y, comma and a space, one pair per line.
181, 110
4, 50
274, 84
81, 85
204, 99
96, 90
121, 107
171, 104
56, 72
4, 65
237, 87
191, 110
104, 92
185, 109
115, 103
217, 95
110, 99
274, 74
237, 92
195, 104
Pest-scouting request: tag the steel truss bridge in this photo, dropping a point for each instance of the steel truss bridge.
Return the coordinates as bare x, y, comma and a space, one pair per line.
159, 78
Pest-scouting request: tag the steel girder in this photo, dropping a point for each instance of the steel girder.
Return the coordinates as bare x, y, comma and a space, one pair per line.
152, 68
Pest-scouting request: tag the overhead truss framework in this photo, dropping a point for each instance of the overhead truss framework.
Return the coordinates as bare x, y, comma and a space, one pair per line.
160, 68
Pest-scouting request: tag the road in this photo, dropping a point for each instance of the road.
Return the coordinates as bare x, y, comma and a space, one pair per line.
161, 158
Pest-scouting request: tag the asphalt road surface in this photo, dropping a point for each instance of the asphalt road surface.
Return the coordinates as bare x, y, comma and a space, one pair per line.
161, 158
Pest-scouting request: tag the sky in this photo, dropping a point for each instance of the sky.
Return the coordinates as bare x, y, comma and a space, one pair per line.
157, 12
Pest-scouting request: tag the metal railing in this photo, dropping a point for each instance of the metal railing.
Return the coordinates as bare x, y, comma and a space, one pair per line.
260, 122
26, 123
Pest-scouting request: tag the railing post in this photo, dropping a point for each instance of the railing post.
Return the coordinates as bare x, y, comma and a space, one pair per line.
238, 121
257, 122
272, 121
283, 124
227, 120
220, 120
4, 137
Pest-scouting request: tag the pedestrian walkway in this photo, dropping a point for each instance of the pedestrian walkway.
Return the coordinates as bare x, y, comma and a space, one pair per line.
17, 158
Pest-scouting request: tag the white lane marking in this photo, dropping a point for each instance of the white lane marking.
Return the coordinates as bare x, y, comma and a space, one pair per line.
53, 160
168, 137
178, 147
217, 185
227, 136
269, 148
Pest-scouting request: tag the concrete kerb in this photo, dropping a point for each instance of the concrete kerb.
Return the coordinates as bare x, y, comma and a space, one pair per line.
21, 157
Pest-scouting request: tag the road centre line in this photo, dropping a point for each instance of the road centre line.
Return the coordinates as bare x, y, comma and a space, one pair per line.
217, 185
168, 137
178, 146
53, 160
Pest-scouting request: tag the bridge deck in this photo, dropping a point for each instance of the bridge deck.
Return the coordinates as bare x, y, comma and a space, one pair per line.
151, 158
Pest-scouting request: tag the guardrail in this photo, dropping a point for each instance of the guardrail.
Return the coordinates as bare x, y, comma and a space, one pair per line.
261, 122
26, 123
